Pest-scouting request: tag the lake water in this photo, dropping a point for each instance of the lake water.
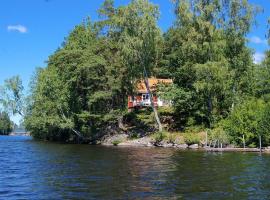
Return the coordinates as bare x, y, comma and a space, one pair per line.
39, 170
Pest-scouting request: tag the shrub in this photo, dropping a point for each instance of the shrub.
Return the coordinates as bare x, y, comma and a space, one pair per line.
250, 120
264, 126
134, 136
171, 138
191, 138
165, 110
176, 138
159, 136
218, 134
116, 142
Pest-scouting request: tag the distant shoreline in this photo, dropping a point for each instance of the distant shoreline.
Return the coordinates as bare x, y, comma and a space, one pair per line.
19, 134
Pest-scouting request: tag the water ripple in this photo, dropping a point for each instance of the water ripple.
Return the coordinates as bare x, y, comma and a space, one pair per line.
40, 170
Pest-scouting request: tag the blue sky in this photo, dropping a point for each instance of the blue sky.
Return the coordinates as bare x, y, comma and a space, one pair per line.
31, 30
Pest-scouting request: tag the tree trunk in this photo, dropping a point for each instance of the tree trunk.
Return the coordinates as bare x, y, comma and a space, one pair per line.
151, 101
210, 108
76, 132
234, 94
121, 124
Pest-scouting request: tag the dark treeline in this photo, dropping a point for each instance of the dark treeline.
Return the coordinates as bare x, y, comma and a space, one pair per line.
84, 88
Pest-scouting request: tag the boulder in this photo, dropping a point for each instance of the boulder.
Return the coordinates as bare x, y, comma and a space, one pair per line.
168, 145
193, 146
110, 139
181, 146
149, 144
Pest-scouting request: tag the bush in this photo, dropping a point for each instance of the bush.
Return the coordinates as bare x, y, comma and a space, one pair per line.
116, 142
134, 136
264, 126
250, 120
175, 138
191, 138
171, 138
218, 134
165, 110
179, 139
159, 136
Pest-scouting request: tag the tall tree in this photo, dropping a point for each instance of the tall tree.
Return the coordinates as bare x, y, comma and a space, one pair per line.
5, 123
198, 49
80, 90
135, 28
12, 97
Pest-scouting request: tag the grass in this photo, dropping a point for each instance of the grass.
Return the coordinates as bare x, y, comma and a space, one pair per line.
188, 138
159, 136
175, 138
192, 138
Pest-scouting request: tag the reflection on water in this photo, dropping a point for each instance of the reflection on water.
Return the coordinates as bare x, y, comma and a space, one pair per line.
38, 170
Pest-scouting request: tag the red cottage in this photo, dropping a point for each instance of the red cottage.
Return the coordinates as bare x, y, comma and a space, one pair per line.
142, 99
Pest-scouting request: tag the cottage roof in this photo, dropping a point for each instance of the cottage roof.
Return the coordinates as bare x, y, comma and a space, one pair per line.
153, 82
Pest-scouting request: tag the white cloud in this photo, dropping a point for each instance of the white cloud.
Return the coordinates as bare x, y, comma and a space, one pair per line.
258, 40
19, 28
258, 57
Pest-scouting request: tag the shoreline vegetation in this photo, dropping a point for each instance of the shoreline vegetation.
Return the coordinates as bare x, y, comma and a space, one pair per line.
149, 142
123, 140
81, 96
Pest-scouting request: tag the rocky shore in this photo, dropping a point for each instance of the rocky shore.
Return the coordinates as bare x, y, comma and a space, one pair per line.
147, 141
122, 140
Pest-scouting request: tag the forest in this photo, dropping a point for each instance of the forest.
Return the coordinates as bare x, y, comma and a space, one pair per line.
82, 92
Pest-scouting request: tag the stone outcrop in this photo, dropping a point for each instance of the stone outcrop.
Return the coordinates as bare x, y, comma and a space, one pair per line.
193, 146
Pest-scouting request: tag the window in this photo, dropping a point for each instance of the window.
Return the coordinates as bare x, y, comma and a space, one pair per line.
145, 97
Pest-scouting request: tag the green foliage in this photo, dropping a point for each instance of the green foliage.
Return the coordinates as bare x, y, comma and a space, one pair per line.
6, 124
192, 138
206, 55
218, 134
11, 96
264, 125
249, 120
116, 142
159, 136
134, 136
171, 138
85, 85
78, 90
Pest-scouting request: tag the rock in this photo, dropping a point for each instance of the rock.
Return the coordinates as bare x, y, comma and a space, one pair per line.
193, 146
142, 141
267, 149
167, 145
124, 144
164, 144
181, 146
107, 144
149, 144
115, 138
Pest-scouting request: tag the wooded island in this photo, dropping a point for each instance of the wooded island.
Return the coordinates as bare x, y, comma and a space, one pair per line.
85, 89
